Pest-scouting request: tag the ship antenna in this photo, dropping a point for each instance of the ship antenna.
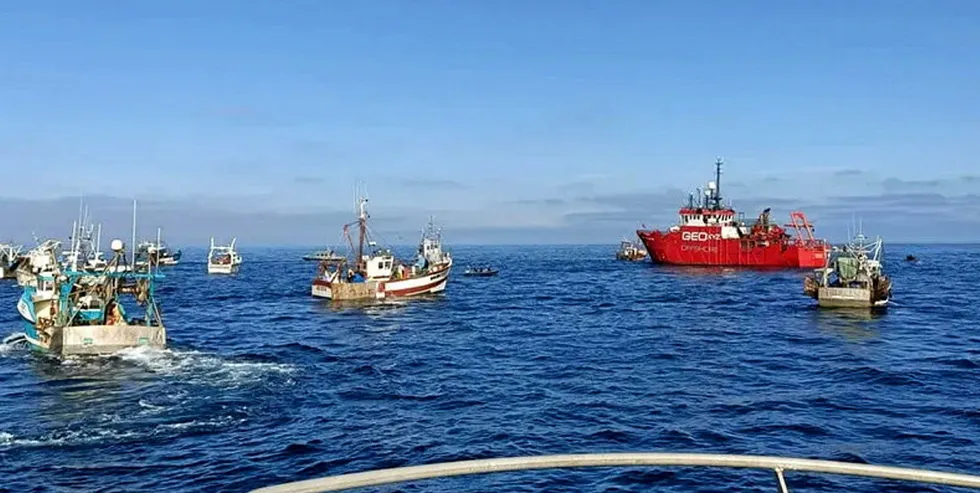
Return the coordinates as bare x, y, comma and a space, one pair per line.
362, 225
718, 163
132, 247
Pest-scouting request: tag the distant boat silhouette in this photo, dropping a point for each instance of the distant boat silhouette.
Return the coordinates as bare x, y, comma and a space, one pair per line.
481, 271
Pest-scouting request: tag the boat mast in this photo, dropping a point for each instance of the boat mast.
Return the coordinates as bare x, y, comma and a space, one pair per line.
362, 225
132, 248
717, 190
77, 226
74, 240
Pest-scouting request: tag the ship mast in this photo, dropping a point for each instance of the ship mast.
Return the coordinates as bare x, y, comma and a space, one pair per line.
362, 225
717, 191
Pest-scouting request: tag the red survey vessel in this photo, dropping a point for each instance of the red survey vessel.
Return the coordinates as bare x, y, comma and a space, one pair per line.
710, 233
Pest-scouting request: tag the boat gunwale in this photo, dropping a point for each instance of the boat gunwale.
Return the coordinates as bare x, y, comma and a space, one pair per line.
778, 465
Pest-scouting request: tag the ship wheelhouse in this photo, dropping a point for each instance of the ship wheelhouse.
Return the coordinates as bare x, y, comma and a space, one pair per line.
706, 217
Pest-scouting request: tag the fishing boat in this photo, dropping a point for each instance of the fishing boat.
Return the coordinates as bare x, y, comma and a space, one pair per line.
223, 259
377, 274
713, 234
161, 252
629, 250
10, 259
41, 258
853, 277
323, 255
485, 271
83, 252
71, 311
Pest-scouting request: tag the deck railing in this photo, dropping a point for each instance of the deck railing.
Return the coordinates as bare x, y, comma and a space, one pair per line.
779, 465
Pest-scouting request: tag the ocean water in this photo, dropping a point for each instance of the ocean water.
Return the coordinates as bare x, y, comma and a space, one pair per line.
566, 351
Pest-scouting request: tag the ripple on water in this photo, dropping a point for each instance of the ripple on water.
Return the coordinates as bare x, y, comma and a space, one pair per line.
565, 351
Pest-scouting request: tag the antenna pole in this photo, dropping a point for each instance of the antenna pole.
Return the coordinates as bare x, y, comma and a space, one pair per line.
81, 207
132, 248
718, 163
362, 224
74, 237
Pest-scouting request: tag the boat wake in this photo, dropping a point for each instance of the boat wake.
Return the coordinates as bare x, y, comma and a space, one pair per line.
188, 367
142, 395
96, 435
13, 342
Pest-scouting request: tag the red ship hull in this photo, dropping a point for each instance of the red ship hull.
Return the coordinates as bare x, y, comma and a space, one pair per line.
709, 233
704, 246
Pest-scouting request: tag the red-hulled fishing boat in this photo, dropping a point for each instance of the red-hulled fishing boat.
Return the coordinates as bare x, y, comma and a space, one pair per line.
378, 274
709, 233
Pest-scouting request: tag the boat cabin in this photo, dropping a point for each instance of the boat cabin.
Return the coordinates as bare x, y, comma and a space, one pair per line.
432, 249
380, 265
706, 217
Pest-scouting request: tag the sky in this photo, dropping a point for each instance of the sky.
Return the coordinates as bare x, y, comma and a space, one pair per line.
508, 121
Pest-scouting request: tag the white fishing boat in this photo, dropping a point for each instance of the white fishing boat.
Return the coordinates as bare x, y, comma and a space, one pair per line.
40, 259
629, 250
323, 255
10, 259
161, 252
85, 251
223, 259
377, 274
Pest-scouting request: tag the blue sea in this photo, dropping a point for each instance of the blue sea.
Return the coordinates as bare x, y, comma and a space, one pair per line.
566, 351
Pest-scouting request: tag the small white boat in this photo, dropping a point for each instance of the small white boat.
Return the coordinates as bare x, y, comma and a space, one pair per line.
159, 251
42, 258
223, 259
328, 255
10, 258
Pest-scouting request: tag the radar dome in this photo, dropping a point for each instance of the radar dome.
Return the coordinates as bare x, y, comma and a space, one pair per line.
116, 245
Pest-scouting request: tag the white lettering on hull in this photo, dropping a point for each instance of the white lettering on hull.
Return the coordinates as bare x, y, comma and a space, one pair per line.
699, 236
699, 248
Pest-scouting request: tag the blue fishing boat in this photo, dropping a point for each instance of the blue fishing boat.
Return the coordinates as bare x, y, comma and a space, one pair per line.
83, 312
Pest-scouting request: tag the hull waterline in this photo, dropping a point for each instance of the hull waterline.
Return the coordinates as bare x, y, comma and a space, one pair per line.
430, 283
